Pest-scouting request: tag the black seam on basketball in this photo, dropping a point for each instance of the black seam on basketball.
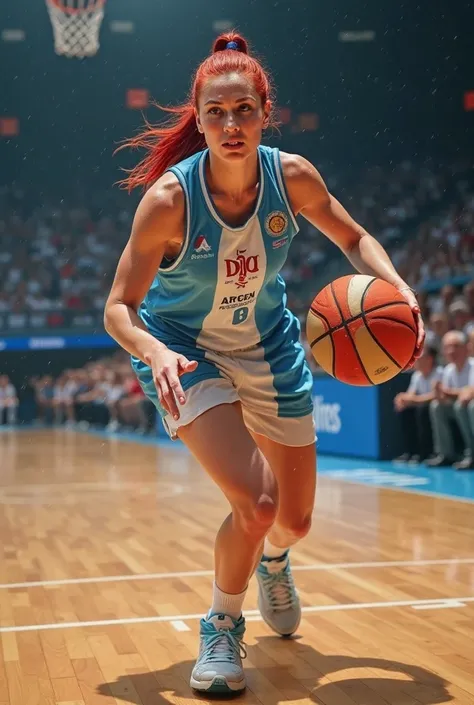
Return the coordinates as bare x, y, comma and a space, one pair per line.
346, 326
354, 318
394, 320
372, 281
333, 366
332, 343
364, 314
320, 315
333, 346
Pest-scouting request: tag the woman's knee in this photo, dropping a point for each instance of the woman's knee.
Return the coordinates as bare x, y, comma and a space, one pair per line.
297, 526
256, 516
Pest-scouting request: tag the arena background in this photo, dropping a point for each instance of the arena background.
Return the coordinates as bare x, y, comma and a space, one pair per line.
361, 91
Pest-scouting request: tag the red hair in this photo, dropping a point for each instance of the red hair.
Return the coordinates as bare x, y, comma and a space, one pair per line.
179, 138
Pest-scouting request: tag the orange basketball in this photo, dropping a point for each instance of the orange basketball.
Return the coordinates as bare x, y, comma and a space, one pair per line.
361, 330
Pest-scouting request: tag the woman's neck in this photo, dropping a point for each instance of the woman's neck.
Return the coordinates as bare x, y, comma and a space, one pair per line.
232, 179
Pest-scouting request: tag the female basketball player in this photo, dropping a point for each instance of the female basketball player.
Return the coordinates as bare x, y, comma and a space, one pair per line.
198, 302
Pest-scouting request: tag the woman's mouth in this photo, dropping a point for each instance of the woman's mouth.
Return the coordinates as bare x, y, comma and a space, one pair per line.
233, 144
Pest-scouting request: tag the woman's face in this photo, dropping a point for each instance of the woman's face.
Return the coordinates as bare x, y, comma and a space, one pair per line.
231, 116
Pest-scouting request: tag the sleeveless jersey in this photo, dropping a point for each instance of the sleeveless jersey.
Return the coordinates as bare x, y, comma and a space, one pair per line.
224, 292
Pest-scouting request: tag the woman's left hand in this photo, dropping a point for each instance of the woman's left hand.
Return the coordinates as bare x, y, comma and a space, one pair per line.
420, 339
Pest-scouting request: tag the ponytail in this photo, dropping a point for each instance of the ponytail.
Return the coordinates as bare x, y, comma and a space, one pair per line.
179, 138
166, 145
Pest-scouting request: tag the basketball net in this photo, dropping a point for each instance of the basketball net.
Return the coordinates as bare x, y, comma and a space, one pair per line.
76, 26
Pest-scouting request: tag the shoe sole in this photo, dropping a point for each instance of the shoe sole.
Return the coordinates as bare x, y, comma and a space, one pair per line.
219, 684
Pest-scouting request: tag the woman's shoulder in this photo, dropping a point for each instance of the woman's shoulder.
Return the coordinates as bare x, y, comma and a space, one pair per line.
166, 192
296, 166
302, 179
164, 199
160, 213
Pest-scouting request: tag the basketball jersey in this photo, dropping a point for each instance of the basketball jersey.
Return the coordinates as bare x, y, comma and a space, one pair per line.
224, 292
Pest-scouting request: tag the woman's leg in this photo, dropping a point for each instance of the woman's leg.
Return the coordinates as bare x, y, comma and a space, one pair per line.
219, 440
295, 472
294, 468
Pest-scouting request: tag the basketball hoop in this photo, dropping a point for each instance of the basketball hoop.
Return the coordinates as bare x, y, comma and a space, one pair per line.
76, 26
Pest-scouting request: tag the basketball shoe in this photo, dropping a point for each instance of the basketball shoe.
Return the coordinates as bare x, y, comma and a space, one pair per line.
278, 600
218, 668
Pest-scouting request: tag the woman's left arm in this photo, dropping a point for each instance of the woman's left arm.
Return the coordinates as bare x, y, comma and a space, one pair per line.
310, 198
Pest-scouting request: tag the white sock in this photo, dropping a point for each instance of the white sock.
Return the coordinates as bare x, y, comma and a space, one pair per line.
226, 603
271, 551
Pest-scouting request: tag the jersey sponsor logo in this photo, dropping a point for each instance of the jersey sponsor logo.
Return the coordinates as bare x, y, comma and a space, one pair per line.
245, 268
276, 223
201, 244
202, 249
276, 244
231, 302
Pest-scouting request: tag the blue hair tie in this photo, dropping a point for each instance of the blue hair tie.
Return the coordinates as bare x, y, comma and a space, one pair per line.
231, 45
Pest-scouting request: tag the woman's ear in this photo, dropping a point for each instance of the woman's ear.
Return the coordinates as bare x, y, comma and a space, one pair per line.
198, 122
267, 109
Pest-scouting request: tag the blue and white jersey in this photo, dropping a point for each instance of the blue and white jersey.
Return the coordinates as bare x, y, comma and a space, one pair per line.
224, 292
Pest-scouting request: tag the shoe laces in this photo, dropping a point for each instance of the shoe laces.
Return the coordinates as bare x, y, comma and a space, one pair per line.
280, 588
222, 645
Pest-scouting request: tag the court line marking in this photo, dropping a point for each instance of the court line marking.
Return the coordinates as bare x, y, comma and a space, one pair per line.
180, 626
443, 605
208, 573
250, 615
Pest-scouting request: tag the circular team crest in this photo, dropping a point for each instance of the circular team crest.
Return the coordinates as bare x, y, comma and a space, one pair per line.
276, 223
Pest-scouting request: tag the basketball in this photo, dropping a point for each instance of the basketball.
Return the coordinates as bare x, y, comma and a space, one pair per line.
361, 330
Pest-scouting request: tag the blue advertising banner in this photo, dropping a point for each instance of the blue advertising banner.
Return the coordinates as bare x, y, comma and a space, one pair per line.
347, 418
58, 342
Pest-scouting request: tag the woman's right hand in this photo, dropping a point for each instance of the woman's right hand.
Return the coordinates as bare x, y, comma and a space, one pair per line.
167, 367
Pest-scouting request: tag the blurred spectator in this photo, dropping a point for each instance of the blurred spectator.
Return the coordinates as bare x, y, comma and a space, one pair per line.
413, 408
63, 399
459, 315
90, 405
470, 343
436, 328
44, 395
453, 405
134, 406
8, 401
114, 392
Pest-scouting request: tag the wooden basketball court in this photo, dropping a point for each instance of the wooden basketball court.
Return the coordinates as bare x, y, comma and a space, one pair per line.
107, 568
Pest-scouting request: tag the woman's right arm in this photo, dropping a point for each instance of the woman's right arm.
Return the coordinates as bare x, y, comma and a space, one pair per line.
159, 221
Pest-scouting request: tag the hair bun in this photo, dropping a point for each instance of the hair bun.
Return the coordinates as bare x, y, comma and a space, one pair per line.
223, 40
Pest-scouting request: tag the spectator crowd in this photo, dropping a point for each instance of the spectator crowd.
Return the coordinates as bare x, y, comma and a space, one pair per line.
104, 393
